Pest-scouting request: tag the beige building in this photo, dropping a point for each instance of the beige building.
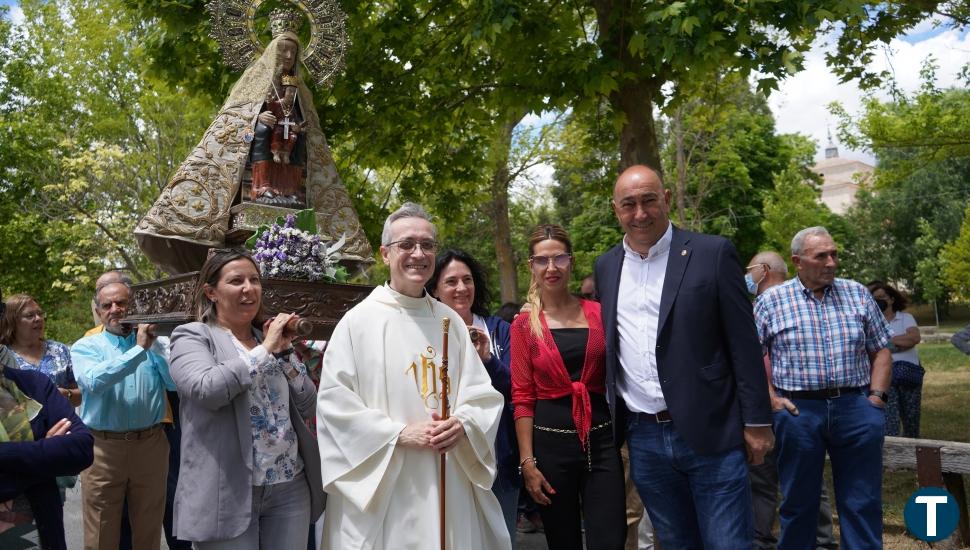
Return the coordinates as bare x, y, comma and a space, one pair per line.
840, 179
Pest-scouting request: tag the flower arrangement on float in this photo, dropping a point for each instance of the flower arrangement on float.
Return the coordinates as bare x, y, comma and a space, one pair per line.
291, 249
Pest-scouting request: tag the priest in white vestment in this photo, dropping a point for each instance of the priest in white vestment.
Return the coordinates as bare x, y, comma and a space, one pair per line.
378, 427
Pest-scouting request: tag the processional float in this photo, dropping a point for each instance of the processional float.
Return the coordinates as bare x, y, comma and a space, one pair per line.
249, 170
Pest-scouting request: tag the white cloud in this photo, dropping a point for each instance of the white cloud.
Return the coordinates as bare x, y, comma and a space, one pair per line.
800, 104
16, 15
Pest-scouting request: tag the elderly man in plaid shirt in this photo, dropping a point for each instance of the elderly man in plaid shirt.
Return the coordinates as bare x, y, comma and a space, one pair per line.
826, 339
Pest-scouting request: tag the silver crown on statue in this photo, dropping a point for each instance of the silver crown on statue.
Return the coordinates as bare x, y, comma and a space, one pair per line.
284, 20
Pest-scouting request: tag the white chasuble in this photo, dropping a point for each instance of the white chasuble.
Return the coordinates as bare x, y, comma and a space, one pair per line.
380, 373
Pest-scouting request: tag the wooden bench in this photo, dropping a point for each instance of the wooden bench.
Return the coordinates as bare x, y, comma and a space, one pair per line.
937, 464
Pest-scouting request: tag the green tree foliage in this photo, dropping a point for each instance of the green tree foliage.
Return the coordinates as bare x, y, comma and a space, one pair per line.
872, 25
929, 267
87, 145
585, 172
721, 150
955, 258
924, 127
793, 204
919, 188
429, 104
646, 45
885, 221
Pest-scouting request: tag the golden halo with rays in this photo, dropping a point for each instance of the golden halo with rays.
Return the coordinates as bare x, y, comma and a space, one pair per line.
233, 27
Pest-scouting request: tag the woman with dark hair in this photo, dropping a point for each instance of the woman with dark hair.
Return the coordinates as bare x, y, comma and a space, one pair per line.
459, 282
570, 463
41, 437
905, 393
250, 470
22, 331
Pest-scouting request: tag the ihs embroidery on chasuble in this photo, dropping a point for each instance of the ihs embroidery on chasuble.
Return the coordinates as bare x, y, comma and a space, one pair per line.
426, 378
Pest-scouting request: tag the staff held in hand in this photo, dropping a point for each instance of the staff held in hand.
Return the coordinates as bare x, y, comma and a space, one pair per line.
445, 413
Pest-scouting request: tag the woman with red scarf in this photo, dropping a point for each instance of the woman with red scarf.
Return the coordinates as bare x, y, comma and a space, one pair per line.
569, 462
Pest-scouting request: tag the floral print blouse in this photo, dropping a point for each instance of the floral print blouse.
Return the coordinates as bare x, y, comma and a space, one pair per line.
276, 456
56, 364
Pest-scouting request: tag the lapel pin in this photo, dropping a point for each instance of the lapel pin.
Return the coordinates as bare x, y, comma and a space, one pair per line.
683, 252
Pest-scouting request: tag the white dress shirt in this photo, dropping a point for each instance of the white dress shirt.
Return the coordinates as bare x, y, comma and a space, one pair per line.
637, 321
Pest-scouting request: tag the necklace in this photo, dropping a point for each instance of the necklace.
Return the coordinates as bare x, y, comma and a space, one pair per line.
287, 123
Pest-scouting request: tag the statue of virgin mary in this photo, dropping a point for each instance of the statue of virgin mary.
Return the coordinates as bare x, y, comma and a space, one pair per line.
201, 202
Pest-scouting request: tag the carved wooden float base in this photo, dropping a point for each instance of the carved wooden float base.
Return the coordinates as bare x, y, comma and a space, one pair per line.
165, 302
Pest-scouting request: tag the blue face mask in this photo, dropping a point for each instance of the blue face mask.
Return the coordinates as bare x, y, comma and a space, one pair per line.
752, 286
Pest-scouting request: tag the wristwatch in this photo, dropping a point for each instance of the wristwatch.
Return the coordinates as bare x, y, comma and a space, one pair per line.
883, 396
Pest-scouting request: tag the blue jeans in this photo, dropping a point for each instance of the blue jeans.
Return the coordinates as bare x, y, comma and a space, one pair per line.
280, 516
850, 428
695, 501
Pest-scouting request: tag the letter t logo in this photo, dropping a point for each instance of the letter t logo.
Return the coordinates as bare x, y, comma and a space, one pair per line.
931, 502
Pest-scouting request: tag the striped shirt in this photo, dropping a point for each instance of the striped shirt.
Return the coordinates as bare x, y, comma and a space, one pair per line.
823, 343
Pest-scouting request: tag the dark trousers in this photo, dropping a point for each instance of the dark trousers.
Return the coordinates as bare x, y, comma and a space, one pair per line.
764, 502
903, 407
593, 499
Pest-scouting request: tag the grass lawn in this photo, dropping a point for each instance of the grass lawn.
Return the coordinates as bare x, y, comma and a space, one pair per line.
945, 416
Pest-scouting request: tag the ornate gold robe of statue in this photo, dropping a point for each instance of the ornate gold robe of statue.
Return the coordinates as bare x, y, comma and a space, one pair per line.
192, 212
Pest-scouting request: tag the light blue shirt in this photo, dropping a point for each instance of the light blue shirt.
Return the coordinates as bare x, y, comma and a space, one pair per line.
123, 384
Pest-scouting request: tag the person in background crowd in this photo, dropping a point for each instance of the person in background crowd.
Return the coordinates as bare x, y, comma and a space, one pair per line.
250, 472
684, 370
569, 461
22, 331
528, 520
826, 340
906, 390
765, 270
40, 438
508, 311
124, 385
587, 289
459, 283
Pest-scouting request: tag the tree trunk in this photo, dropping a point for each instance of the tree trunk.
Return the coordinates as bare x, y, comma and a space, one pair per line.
680, 187
638, 136
634, 96
499, 208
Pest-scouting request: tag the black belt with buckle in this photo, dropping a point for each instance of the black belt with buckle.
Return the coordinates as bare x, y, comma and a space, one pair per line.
827, 393
660, 418
133, 435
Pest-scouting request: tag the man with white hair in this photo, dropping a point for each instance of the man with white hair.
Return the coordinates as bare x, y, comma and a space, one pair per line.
124, 384
379, 422
826, 339
765, 270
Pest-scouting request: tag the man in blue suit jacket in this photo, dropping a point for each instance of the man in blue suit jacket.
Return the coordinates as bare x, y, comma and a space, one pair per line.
685, 377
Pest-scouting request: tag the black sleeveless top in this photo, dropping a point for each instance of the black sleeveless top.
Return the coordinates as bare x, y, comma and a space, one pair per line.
558, 413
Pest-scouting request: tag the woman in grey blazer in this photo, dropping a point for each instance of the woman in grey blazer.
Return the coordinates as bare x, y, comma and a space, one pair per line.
250, 469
